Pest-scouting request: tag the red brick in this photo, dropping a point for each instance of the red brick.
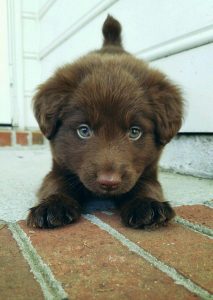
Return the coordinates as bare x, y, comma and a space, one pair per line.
37, 138
22, 138
16, 280
199, 214
5, 138
91, 264
179, 247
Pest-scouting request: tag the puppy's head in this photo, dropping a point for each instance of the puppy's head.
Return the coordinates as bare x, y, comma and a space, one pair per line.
107, 118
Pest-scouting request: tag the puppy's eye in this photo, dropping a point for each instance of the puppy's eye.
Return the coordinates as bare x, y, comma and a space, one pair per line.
84, 131
134, 133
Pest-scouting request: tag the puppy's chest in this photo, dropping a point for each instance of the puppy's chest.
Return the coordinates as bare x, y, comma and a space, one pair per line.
95, 203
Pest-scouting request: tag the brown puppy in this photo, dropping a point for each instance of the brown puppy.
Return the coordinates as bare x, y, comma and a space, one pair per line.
107, 117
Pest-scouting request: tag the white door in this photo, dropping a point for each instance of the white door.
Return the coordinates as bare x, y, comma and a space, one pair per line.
175, 36
5, 103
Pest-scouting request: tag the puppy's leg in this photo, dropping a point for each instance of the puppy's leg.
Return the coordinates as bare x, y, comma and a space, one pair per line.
147, 207
57, 207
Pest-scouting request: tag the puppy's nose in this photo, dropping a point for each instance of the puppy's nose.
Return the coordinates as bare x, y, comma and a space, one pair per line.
109, 180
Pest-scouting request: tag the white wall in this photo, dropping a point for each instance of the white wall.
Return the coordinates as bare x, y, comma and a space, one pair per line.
176, 36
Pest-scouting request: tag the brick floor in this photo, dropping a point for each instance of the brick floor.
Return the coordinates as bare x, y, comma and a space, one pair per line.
12, 137
196, 213
16, 280
5, 138
98, 258
22, 138
37, 138
179, 247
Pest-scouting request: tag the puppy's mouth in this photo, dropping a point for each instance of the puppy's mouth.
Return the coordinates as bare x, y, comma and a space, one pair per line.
106, 191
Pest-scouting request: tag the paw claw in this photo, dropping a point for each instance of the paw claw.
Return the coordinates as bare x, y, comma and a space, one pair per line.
69, 218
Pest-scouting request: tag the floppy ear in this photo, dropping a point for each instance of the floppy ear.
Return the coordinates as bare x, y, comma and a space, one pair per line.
49, 100
167, 107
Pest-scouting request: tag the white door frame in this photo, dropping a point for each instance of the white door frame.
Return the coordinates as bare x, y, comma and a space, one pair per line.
11, 62
16, 61
5, 100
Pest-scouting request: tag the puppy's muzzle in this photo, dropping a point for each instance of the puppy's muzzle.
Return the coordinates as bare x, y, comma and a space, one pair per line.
108, 181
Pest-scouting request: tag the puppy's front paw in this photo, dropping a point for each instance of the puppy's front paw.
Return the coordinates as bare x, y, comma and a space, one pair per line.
55, 211
146, 213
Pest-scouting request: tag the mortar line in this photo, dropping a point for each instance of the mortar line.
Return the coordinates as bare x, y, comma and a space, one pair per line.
207, 232
51, 288
170, 271
208, 204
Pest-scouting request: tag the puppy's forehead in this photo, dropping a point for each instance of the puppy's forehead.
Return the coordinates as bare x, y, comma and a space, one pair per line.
109, 94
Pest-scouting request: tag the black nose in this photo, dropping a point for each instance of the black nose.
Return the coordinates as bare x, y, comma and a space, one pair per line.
109, 181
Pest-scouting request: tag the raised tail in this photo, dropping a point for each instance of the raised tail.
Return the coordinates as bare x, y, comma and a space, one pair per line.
112, 32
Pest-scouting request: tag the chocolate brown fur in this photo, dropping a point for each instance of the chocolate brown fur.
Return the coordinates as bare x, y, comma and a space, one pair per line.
111, 91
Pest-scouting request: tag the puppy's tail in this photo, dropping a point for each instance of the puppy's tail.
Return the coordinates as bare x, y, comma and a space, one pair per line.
112, 32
